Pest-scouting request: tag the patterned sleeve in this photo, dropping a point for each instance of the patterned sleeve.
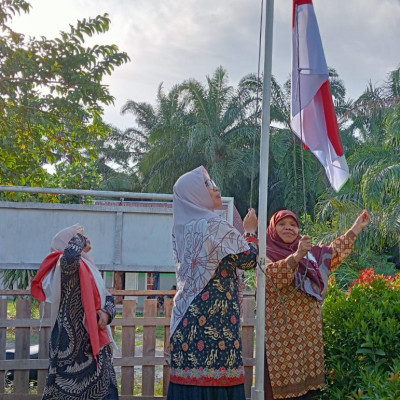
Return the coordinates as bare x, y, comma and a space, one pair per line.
281, 272
109, 308
72, 254
246, 260
342, 248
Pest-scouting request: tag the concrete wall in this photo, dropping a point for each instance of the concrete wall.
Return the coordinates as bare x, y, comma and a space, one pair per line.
129, 236
124, 238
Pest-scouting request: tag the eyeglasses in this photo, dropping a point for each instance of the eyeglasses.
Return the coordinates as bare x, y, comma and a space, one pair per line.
210, 184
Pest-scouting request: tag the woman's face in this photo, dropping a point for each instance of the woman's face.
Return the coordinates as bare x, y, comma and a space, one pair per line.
287, 229
213, 190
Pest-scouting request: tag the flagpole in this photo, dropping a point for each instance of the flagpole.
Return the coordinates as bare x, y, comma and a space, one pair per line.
257, 391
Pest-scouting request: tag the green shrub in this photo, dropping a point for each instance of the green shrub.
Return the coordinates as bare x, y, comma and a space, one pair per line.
362, 338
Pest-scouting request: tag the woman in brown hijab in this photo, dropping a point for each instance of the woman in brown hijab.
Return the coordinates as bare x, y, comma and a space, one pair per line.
296, 286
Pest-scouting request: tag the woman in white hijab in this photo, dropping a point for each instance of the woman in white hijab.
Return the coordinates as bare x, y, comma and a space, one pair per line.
81, 311
210, 254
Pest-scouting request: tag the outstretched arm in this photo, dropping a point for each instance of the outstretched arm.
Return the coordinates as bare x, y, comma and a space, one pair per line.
360, 223
344, 245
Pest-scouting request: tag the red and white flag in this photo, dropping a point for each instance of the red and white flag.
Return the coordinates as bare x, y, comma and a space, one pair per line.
313, 118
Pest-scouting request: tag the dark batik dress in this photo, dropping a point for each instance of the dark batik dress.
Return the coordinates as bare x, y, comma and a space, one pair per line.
206, 348
73, 372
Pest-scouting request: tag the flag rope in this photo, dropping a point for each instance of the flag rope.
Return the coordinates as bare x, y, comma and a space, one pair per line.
301, 126
257, 102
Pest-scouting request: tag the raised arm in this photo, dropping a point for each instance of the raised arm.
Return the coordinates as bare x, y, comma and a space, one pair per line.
250, 222
248, 259
343, 246
72, 254
360, 223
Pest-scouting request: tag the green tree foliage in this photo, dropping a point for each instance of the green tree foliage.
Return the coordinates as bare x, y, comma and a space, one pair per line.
223, 133
191, 125
160, 142
52, 96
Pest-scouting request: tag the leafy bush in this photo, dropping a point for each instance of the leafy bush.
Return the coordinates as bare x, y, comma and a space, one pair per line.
362, 338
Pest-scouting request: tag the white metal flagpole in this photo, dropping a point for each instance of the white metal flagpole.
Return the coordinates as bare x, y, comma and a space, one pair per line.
257, 391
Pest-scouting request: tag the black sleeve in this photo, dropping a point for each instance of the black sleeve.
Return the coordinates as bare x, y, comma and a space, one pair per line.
246, 260
109, 308
72, 253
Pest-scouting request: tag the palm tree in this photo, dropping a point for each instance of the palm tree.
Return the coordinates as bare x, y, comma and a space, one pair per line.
161, 140
196, 124
223, 130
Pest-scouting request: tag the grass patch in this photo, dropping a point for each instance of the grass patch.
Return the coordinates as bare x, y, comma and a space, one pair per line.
12, 314
159, 331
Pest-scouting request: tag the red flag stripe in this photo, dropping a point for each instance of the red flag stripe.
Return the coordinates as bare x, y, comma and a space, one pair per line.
330, 118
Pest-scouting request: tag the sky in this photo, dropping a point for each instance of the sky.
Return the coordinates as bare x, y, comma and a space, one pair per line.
169, 41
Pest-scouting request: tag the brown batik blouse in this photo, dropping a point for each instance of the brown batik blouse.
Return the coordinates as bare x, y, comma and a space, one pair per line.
294, 343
